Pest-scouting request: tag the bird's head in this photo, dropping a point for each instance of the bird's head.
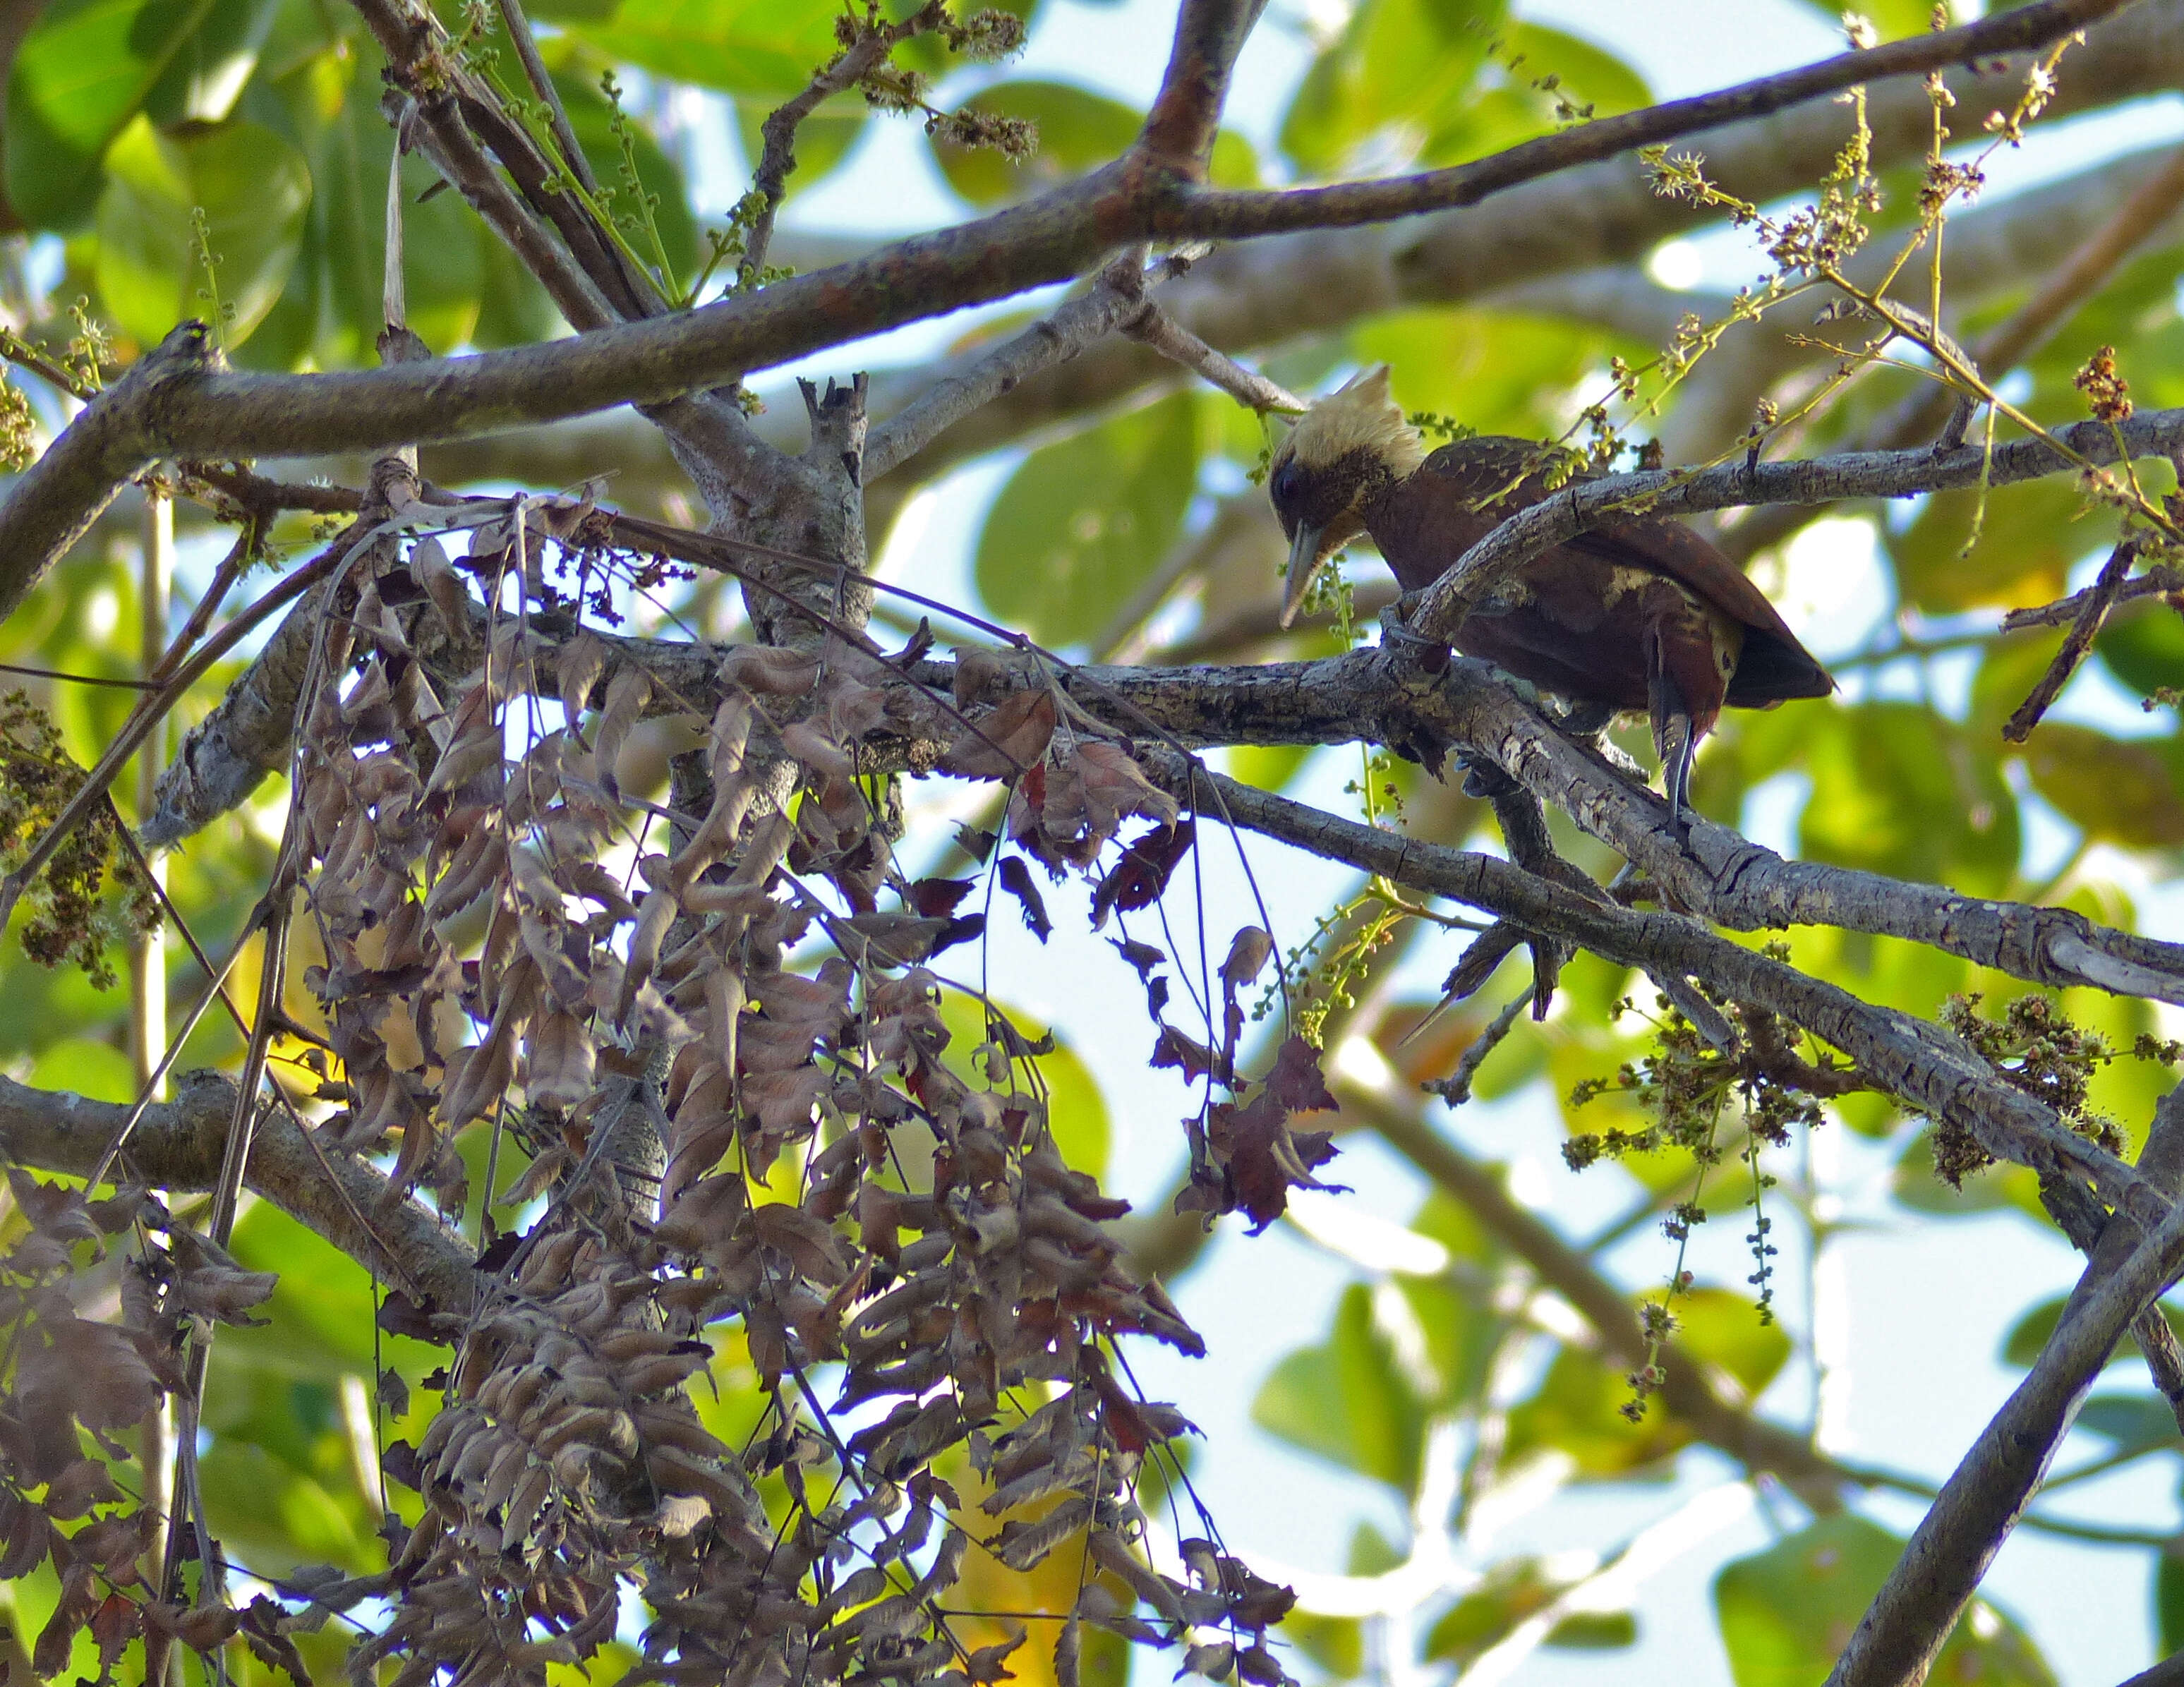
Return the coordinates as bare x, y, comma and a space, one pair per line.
1344, 450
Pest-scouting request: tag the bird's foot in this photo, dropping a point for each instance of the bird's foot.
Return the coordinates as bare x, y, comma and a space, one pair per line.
1483, 777
1584, 721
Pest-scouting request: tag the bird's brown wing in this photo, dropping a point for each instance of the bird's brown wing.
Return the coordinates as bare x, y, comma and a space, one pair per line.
1487, 479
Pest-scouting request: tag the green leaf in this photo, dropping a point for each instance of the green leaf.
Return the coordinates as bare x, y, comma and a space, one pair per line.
78, 78
2169, 1602
2022, 1345
1461, 1339
1594, 1631
1509, 1592
2028, 538
2136, 1423
1078, 130
213, 64
1266, 767
1406, 65
1493, 370
2117, 791
2144, 647
823, 139
1893, 19
1914, 1183
98, 1071
758, 46
1081, 525
1336, 1643
277, 1516
1786, 1613
1584, 74
929, 53
338, 286
1898, 790
1722, 1327
254, 188
1372, 1553
1577, 1410
1348, 1400
512, 308
1578, 1407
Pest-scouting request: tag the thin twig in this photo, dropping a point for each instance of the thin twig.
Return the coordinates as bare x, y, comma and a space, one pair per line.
2100, 597
148, 715
541, 84
1455, 1088
778, 154
1073, 325
1154, 327
2161, 579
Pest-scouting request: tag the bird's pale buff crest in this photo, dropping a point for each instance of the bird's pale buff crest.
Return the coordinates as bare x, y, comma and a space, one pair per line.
1360, 416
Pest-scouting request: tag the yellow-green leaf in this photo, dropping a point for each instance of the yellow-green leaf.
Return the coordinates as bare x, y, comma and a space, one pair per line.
254, 188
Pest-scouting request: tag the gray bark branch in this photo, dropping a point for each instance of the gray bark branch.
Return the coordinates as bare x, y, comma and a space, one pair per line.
1909, 1619
178, 1144
1051, 239
1926, 1068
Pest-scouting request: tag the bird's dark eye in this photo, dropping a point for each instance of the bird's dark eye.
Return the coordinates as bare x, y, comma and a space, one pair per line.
1284, 486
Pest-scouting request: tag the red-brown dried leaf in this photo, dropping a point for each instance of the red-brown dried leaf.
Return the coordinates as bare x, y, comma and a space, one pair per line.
938, 898
1009, 739
1138, 880
1016, 880
1295, 1081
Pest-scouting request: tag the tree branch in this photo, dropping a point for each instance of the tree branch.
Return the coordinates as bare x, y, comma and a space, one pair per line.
1918, 1605
1186, 114
1072, 326
1048, 240
177, 1146
1153, 326
778, 154
1243, 214
53, 503
1377, 696
1926, 1068
1274, 292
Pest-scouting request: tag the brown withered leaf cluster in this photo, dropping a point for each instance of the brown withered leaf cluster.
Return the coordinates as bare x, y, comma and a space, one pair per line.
712, 1026
74, 1385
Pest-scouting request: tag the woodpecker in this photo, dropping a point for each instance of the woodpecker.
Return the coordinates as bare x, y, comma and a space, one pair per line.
1640, 615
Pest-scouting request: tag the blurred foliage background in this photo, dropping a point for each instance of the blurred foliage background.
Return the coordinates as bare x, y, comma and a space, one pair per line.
229, 158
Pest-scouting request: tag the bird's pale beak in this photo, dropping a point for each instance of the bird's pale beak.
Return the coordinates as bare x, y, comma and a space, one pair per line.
1304, 563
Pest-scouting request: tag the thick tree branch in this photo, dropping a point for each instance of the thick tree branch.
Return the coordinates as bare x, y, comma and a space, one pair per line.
1239, 215
177, 1146
1714, 872
1267, 293
1926, 1068
1186, 114
1919, 1603
1048, 240
53, 503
